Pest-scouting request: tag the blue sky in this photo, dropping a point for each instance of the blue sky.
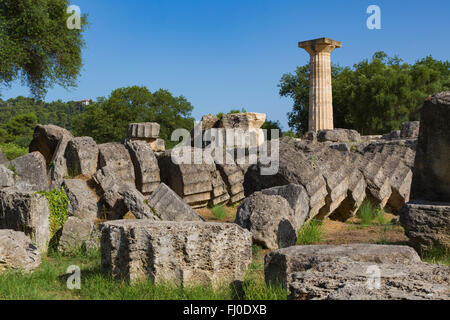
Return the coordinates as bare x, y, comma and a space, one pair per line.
224, 55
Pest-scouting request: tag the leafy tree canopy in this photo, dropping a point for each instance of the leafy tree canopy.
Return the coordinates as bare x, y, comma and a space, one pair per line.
107, 120
37, 47
374, 96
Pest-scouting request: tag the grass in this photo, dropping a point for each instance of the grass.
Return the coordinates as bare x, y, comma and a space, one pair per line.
219, 212
436, 255
367, 213
49, 282
311, 232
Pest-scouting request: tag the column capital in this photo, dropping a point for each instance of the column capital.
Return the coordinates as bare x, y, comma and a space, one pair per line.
321, 45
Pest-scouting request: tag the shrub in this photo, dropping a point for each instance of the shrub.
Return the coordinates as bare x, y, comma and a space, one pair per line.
437, 254
59, 207
219, 212
13, 151
311, 232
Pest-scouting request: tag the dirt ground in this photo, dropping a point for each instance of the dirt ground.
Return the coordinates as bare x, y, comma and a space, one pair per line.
336, 232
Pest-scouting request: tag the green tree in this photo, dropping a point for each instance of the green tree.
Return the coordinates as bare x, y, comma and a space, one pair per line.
37, 47
272, 125
107, 120
374, 96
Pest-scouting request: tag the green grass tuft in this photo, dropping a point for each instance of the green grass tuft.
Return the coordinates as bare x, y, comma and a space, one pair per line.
219, 212
367, 212
311, 232
435, 255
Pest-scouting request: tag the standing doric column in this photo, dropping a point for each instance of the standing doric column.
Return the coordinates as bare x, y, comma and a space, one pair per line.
320, 95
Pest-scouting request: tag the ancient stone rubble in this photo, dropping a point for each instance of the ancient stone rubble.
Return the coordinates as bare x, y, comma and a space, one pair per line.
426, 218
184, 253
28, 212
270, 219
17, 252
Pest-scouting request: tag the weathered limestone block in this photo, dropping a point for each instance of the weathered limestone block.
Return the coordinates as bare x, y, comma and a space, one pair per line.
6, 177
350, 280
78, 233
31, 172
28, 212
122, 199
51, 141
82, 156
46, 139
234, 179
355, 195
3, 160
427, 224
431, 173
270, 219
250, 124
334, 168
17, 252
297, 198
378, 184
280, 264
84, 202
117, 158
338, 135
392, 135
158, 145
410, 130
146, 130
192, 182
145, 166
294, 167
184, 253
219, 194
168, 206
245, 121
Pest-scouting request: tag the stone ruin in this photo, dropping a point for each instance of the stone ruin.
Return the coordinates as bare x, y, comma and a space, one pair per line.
328, 173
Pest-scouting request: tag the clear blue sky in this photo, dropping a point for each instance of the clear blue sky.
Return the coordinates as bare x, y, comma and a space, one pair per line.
231, 54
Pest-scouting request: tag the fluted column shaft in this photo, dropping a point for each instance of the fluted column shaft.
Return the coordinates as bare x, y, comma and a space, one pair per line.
320, 91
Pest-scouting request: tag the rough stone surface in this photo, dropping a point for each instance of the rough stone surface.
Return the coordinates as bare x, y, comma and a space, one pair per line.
234, 179
279, 264
3, 160
145, 166
294, 167
117, 158
184, 253
192, 182
345, 279
46, 139
168, 206
338, 135
427, 224
158, 145
82, 156
270, 219
78, 233
410, 130
17, 252
146, 130
27, 212
83, 201
219, 193
51, 141
122, 199
431, 173
393, 135
245, 121
31, 172
6, 177
297, 198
